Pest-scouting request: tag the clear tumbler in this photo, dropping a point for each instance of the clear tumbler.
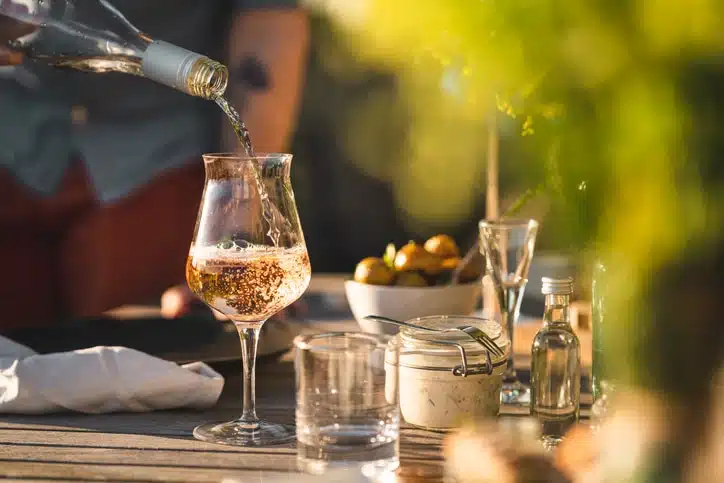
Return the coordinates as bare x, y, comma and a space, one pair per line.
347, 403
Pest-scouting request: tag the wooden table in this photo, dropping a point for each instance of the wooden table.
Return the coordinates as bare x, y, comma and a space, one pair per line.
158, 446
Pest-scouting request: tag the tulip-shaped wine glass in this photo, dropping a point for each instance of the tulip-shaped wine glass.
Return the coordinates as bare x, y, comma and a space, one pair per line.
508, 248
248, 260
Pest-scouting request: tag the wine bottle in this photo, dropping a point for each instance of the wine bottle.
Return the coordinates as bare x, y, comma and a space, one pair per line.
93, 36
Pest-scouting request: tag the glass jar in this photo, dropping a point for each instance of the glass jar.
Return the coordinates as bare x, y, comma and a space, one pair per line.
448, 378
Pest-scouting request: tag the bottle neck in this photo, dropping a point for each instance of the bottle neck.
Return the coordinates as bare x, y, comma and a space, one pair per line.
184, 70
556, 312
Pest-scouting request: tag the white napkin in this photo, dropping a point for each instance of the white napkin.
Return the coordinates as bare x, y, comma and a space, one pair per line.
100, 380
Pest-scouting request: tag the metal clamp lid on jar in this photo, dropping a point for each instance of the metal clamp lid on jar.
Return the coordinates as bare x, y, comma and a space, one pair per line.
463, 369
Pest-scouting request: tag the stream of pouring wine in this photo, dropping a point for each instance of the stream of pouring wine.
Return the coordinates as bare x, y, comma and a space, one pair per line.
270, 212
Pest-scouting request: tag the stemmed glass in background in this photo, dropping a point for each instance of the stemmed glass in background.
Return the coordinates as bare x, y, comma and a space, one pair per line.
248, 260
508, 248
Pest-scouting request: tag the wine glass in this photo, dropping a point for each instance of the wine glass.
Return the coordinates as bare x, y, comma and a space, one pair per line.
248, 260
508, 248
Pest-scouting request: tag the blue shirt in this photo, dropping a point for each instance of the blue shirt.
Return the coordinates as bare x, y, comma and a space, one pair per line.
130, 128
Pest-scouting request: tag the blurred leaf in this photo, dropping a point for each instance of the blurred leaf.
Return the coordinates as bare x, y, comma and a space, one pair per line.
389, 256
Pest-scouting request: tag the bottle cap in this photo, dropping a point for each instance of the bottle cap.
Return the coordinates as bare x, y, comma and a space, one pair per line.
175, 66
557, 286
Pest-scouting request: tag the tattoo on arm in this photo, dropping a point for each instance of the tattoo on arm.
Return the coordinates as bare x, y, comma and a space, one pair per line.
252, 74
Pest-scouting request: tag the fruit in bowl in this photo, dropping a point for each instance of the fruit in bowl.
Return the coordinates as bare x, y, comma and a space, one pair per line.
415, 280
374, 271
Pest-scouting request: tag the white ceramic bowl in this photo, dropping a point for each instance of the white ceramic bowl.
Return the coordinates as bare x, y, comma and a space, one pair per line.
404, 303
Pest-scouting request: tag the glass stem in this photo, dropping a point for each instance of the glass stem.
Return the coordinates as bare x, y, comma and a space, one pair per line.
510, 374
510, 312
249, 336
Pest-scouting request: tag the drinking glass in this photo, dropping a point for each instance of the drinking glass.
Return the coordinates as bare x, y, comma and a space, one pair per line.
247, 260
508, 248
347, 403
601, 408
598, 319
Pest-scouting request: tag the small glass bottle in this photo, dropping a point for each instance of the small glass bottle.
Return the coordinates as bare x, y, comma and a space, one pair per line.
556, 365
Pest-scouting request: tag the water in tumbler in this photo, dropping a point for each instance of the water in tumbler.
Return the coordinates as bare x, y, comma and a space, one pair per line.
369, 439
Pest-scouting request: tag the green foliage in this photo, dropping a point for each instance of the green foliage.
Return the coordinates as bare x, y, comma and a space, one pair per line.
618, 100
594, 81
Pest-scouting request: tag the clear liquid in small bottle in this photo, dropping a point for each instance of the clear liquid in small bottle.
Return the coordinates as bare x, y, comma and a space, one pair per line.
556, 366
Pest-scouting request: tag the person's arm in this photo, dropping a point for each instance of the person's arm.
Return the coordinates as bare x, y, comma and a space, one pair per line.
267, 61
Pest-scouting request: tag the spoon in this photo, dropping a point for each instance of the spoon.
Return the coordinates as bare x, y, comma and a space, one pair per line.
473, 332
400, 323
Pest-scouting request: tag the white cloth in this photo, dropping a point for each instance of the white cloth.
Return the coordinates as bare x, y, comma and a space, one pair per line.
100, 380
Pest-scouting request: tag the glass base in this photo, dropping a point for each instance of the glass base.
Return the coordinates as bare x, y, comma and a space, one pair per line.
515, 393
370, 469
550, 443
236, 433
